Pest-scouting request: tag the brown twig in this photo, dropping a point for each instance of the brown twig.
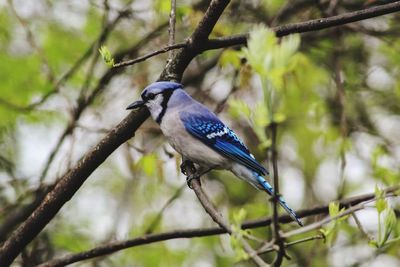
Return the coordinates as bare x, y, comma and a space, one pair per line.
72, 70
81, 103
274, 158
149, 55
217, 217
171, 29
157, 218
322, 222
341, 102
31, 39
306, 239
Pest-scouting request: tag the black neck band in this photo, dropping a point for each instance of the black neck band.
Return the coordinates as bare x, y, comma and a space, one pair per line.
164, 103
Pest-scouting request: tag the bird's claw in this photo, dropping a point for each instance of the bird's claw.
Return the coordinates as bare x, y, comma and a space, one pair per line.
188, 168
190, 178
190, 171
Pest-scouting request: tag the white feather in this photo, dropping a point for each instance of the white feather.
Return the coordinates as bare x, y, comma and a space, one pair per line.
154, 106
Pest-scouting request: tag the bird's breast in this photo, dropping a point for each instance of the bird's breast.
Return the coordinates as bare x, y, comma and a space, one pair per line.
188, 146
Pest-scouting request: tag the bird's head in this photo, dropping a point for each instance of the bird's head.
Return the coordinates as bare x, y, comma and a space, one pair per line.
155, 97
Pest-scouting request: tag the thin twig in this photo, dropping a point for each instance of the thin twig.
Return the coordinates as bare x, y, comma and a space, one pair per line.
149, 55
171, 29
108, 27
33, 43
274, 158
306, 239
360, 227
72, 70
217, 217
156, 220
341, 100
318, 224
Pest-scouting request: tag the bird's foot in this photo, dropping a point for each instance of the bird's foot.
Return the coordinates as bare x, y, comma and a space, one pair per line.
189, 179
188, 168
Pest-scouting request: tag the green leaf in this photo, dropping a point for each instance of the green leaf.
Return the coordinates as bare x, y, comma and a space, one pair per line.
279, 117
389, 225
148, 163
239, 217
333, 209
381, 205
106, 55
231, 57
162, 7
259, 49
373, 243
238, 109
237, 246
331, 230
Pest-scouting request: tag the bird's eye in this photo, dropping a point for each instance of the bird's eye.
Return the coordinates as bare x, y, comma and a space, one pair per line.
151, 96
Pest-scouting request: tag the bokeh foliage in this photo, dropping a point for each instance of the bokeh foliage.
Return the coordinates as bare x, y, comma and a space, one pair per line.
334, 94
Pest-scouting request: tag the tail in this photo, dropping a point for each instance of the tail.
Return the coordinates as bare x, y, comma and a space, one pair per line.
267, 187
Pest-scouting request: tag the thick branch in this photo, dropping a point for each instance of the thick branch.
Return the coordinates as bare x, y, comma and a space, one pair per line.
67, 187
18, 214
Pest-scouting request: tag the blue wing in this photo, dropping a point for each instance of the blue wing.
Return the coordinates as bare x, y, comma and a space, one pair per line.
206, 127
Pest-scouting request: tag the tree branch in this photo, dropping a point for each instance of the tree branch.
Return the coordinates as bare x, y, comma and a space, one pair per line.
306, 239
201, 232
171, 29
301, 27
217, 217
73, 69
311, 25
27, 210
274, 157
149, 55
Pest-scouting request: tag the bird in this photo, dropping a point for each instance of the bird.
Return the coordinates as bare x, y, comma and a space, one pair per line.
201, 137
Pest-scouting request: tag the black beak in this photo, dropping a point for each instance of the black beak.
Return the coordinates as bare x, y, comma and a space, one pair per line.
136, 104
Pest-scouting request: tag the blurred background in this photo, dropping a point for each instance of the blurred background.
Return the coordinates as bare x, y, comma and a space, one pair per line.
337, 108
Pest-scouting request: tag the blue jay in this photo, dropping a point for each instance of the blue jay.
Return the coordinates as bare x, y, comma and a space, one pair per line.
200, 137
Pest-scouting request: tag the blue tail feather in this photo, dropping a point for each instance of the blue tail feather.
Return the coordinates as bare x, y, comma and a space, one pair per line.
282, 202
